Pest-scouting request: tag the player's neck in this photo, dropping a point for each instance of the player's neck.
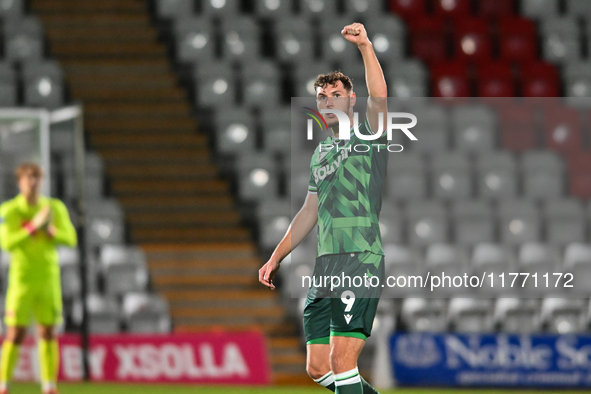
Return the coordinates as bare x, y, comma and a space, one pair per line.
334, 130
32, 199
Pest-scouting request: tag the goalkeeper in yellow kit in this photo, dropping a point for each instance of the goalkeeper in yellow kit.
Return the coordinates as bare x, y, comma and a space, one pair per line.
31, 226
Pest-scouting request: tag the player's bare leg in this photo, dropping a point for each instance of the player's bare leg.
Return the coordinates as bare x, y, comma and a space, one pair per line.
48, 358
344, 353
15, 336
318, 365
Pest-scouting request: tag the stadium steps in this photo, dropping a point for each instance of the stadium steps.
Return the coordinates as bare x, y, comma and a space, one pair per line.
159, 167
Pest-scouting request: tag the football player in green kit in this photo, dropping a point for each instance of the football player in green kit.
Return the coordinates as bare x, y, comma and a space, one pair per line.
31, 226
344, 200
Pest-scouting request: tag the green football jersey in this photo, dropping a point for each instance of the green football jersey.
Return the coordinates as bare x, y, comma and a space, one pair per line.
348, 179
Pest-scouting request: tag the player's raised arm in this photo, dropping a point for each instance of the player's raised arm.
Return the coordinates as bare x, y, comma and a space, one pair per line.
301, 225
374, 76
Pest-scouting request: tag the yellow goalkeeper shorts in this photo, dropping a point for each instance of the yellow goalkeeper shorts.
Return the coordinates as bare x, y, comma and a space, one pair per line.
41, 299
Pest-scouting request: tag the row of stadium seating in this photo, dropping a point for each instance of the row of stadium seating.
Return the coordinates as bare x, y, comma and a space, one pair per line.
42, 85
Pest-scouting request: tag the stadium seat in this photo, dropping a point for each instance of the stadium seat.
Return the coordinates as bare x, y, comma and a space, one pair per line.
226, 8
235, 131
577, 261
261, 84
565, 221
104, 223
124, 269
104, 315
428, 39
579, 174
215, 84
145, 313
402, 260
455, 9
473, 222
474, 128
517, 128
451, 176
536, 259
318, 7
543, 174
174, 8
69, 261
472, 39
518, 315
497, 175
448, 259
292, 43
539, 8
388, 36
560, 40
12, 9
580, 8
427, 222
276, 125
450, 80
305, 76
496, 8
564, 315
408, 79
23, 39
519, 222
517, 39
493, 259
432, 131
274, 8
391, 220
93, 179
563, 130
577, 79
471, 315
241, 39
539, 80
424, 314
366, 8
257, 177
194, 37
8, 85
405, 178
495, 80
408, 8
273, 217
334, 47
43, 84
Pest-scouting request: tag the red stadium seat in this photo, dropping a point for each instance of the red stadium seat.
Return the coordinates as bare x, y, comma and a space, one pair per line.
496, 8
408, 9
518, 128
495, 80
562, 130
453, 8
517, 39
450, 80
539, 79
579, 174
472, 39
429, 39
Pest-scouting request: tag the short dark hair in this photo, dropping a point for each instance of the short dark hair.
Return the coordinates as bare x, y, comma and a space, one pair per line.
26, 167
331, 78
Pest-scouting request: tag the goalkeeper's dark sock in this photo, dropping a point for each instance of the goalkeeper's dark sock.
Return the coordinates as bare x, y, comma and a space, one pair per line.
327, 381
348, 382
367, 388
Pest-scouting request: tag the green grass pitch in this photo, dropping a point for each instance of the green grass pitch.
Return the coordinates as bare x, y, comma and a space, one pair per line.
103, 388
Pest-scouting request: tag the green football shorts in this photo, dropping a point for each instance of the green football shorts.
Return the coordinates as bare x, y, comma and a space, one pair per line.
344, 296
39, 298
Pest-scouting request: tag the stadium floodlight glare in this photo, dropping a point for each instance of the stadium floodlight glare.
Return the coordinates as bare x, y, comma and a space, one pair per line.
381, 43
469, 45
259, 177
220, 86
44, 86
217, 3
447, 182
291, 45
237, 132
198, 41
338, 43
272, 5
102, 227
516, 226
423, 229
361, 5
235, 43
281, 223
316, 5
493, 181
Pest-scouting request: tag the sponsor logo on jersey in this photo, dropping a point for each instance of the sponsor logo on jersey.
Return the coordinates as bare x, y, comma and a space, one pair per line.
322, 172
348, 318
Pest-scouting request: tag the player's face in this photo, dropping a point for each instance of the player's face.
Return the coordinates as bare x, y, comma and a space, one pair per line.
29, 184
333, 97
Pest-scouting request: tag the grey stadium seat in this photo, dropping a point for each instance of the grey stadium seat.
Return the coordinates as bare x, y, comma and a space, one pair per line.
261, 82
402, 261
473, 222
560, 39
223, 8
146, 313
241, 39
474, 128
537, 258
318, 7
276, 124
565, 315
334, 47
124, 269
104, 314
543, 174
391, 220
539, 8
424, 314
406, 177
23, 39
11, 9
174, 8
578, 8
273, 218
471, 315
305, 75
495, 259
43, 84
93, 180
577, 261
497, 175
518, 315
577, 77
408, 79
257, 177
8, 85
519, 222
565, 221
293, 42
388, 36
216, 84
69, 261
427, 222
366, 8
104, 223
448, 259
451, 176
194, 39
274, 8
432, 131
235, 132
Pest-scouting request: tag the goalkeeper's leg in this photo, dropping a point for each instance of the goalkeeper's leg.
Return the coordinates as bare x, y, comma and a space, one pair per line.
48, 359
10, 348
